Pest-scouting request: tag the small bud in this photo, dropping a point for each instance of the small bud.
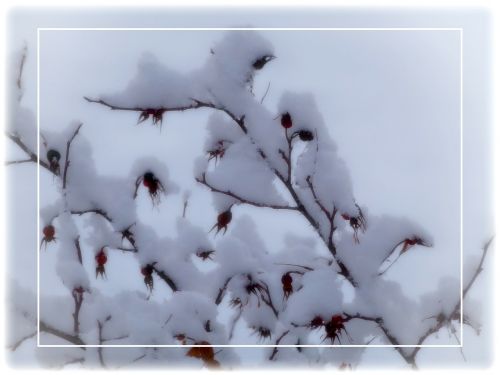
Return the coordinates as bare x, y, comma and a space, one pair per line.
53, 155
147, 272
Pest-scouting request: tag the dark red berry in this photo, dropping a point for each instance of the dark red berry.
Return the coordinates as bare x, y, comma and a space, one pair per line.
286, 120
49, 231
305, 135
101, 257
149, 179
147, 270
224, 218
286, 279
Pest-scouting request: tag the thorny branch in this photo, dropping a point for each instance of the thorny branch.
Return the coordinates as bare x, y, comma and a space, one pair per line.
203, 181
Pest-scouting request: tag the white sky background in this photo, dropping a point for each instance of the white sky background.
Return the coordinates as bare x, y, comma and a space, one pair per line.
391, 100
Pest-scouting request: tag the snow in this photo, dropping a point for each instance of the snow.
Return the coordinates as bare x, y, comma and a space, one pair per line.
310, 301
154, 86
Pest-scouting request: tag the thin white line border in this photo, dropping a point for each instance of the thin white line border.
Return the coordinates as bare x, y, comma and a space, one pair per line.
459, 29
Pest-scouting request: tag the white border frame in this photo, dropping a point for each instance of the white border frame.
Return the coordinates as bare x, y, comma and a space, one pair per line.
460, 30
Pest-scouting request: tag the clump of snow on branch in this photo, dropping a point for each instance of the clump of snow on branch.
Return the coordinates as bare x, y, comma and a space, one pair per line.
154, 86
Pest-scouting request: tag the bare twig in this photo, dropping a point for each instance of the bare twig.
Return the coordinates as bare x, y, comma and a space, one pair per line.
11, 162
18, 343
267, 298
443, 319
139, 358
222, 290
73, 361
327, 213
295, 265
233, 323
67, 162
19, 81
168, 320
479, 269
203, 181
265, 94
239, 120
407, 357
74, 339
33, 157
116, 338
132, 250
275, 349
99, 349
286, 180
78, 250
167, 279
363, 317
184, 208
